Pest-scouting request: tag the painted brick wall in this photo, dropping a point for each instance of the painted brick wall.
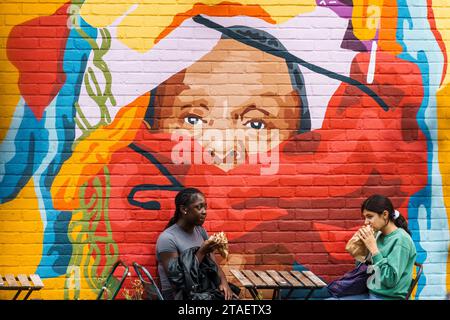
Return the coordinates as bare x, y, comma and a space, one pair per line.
286, 114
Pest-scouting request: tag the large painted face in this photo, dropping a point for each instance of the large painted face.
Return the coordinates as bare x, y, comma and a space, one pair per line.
213, 96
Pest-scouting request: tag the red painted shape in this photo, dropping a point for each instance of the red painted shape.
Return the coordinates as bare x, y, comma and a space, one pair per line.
36, 48
308, 210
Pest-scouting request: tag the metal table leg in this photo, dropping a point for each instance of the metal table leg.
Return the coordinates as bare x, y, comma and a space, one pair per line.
28, 294
17, 294
289, 293
254, 293
276, 294
309, 294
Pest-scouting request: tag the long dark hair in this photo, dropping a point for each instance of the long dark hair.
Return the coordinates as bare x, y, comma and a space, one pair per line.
184, 198
378, 203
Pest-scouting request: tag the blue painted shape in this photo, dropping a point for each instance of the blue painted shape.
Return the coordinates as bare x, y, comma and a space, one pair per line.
57, 248
425, 209
20, 167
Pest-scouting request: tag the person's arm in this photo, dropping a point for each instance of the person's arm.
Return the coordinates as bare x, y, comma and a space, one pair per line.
224, 287
206, 247
165, 258
389, 269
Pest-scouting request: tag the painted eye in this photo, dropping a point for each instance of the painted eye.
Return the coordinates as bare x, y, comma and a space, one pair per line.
192, 120
257, 125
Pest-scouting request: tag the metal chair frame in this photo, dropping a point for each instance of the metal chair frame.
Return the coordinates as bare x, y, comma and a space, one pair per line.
415, 280
111, 274
150, 283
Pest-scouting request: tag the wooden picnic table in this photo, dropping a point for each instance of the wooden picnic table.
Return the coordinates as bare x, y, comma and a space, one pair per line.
253, 280
21, 282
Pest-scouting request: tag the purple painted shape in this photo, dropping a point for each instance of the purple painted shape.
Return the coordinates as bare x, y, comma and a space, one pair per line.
343, 8
350, 42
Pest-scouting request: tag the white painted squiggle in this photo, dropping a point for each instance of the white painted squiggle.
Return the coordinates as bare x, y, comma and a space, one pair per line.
50, 126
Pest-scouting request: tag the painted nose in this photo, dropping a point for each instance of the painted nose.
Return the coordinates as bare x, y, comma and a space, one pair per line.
228, 156
224, 150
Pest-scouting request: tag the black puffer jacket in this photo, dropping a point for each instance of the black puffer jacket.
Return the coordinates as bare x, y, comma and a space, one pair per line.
194, 281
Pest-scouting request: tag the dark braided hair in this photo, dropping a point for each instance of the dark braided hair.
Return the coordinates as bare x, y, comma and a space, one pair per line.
184, 198
378, 203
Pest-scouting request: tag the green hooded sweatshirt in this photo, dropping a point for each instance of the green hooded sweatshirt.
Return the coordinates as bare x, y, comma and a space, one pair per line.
393, 265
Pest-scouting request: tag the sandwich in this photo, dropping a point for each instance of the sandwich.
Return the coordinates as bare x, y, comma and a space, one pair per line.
222, 241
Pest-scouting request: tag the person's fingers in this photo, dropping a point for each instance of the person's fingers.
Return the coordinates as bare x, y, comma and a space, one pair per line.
226, 293
213, 247
364, 232
361, 234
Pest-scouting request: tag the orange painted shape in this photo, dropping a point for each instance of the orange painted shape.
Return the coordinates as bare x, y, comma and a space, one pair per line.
387, 38
94, 152
223, 9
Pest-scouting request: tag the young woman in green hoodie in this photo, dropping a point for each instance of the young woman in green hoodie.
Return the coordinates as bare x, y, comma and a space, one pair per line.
392, 253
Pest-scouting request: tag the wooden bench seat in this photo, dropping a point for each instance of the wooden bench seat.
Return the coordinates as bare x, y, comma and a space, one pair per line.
21, 282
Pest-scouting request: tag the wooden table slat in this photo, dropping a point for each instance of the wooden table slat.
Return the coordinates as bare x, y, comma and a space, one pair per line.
278, 278
24, 280
242, 279
254, 278
11, 280
303, 279
36, 280
317, 281
265, 277
290, 279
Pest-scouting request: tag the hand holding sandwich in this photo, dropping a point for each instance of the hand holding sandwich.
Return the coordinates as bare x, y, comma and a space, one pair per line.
367, 235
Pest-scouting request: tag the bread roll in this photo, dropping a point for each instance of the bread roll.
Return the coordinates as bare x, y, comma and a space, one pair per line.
221, 239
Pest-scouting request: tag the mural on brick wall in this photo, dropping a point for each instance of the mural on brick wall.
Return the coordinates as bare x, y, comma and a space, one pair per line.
287, 116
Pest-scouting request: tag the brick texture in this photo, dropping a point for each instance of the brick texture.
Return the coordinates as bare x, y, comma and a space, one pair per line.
286, 119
